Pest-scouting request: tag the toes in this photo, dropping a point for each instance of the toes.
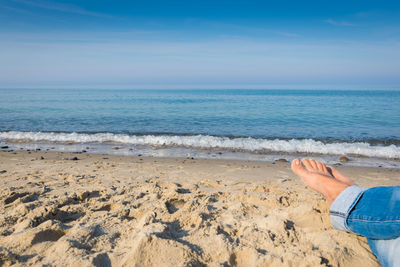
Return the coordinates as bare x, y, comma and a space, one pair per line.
307, 164
336, 173
295, 164
314, 164
298, 168
339, 176
319, 166
324, 169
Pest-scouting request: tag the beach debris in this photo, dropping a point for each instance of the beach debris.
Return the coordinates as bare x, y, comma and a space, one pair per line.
73, 158
183, 191
260, 189
281, 160
41, 157
45, 189
282, 180
284, 200
3, 171
344, 159
4, 147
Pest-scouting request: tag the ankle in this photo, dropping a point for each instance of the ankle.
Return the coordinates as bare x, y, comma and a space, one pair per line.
332, 191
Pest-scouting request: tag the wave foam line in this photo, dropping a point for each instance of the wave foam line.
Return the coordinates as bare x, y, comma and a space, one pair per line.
205, 141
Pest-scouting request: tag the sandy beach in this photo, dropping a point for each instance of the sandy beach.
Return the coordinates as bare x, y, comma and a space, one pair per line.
100, 210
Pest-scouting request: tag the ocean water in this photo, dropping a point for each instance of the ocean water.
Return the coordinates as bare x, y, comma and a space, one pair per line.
256, 122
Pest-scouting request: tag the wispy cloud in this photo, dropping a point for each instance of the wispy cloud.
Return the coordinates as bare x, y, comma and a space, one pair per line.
250, 30
102, 61
67, 8
287, 34
14, 9
365, 14
339, 23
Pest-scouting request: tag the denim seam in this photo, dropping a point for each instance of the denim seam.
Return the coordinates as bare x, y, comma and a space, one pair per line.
350, 209
365, 220
336, 213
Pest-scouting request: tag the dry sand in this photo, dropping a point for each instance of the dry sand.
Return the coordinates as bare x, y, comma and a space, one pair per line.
130, 211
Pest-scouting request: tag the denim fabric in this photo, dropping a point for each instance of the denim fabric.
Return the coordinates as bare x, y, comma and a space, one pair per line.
343, 205
374, 213
386, 250
377, 213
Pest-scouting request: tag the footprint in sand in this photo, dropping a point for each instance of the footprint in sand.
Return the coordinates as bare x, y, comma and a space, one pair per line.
174, 205
24, 197
47, 235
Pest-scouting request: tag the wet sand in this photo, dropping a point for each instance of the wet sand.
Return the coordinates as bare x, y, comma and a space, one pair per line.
102, 210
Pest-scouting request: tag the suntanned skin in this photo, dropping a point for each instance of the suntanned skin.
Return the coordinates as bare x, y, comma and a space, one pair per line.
321, 178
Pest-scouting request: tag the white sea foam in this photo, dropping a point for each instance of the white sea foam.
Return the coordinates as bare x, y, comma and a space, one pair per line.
204, 141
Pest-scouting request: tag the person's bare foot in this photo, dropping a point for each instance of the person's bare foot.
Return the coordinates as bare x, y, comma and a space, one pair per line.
321, 178
339, 176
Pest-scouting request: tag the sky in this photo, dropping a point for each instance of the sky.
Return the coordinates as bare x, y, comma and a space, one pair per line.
200, 44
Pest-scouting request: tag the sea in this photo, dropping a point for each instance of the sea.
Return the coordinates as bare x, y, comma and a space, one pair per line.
257, 125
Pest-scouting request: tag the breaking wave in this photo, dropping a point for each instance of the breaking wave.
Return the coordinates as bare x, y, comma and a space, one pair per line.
208, 142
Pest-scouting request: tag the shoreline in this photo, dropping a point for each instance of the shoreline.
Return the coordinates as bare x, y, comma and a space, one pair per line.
270, 168
181, 152
123, 210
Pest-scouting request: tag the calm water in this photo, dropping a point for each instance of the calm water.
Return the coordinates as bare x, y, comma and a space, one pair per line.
345, 115
370, 117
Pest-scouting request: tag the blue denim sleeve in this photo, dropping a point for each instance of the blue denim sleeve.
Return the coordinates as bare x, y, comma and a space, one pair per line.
343, 205
373, 213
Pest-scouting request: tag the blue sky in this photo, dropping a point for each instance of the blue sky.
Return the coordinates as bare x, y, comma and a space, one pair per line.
200, 44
